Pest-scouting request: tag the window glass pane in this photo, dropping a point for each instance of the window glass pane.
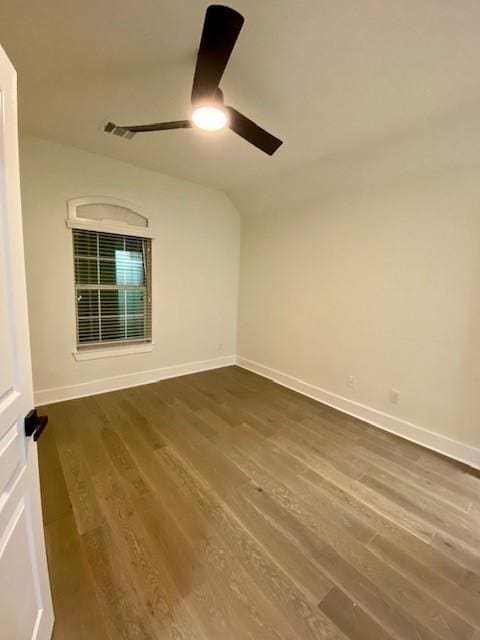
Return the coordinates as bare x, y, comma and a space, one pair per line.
108, 272
85, 243
87, 303
112, 303
88, 330
135, 327
134, 244
108, 244
129, 267
113, 328
85, 271
135, 301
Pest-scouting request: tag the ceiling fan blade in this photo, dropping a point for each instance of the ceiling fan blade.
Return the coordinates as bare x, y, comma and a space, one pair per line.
251, 132
220, 32
128, 131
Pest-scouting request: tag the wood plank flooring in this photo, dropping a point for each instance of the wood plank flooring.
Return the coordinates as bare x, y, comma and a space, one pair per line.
222, 506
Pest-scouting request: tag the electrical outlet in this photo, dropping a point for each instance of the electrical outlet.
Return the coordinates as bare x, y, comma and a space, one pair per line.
352, 382
394, 396
220, 347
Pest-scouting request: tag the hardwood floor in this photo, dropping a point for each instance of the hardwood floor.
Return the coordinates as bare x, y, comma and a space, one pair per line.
222, 506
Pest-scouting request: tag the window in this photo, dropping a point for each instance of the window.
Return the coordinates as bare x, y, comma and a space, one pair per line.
112, 288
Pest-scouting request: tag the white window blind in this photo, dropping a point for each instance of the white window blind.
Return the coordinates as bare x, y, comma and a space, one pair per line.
112, 288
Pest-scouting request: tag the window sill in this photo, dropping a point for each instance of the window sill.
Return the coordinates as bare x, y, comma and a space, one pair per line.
121, 350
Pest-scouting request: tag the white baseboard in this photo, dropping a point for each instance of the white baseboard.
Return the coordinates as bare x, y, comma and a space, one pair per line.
451, 448
49, 396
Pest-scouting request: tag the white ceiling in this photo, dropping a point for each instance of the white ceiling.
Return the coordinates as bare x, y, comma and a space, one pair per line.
324, 76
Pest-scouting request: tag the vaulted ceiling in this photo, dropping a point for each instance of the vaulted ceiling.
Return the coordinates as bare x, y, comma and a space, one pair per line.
324, 76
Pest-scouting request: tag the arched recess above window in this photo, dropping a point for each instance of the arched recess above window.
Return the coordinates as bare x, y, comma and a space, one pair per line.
110, 215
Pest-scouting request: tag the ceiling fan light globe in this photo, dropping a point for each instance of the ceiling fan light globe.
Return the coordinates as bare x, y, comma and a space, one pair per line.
209, 117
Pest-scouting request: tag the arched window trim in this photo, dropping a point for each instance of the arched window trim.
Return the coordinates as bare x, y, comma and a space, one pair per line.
74, 221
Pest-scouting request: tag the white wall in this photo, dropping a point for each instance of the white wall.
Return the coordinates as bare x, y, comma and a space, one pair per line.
369, 265
365, 264
194, 264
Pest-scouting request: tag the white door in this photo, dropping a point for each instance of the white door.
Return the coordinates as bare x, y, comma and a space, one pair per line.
25, 602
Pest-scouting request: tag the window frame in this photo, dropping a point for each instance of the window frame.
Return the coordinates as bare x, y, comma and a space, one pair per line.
119, 227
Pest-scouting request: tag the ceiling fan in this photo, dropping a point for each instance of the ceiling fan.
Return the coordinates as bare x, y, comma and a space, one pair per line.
221, 28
